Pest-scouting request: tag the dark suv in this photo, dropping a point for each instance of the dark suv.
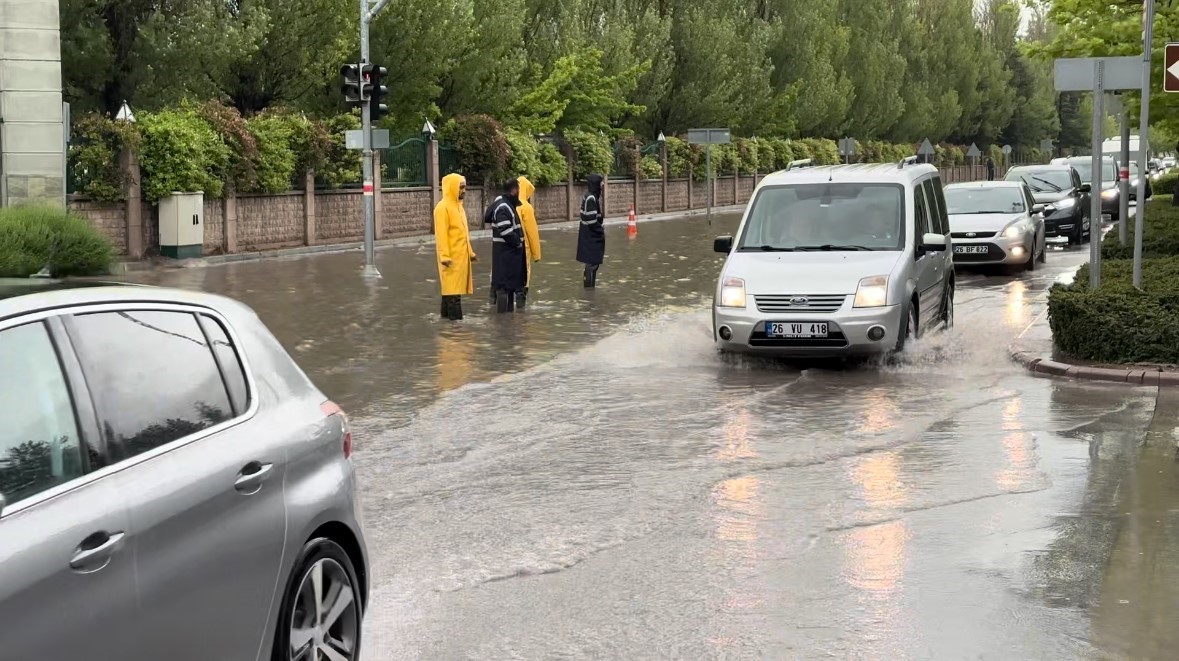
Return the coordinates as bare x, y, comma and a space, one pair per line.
1064, 196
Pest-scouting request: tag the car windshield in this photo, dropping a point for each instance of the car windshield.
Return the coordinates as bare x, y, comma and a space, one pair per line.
1084, 168
825, 216
1043, 181
996, 199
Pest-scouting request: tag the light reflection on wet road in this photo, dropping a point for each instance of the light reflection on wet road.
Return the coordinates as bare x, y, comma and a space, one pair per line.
589, 479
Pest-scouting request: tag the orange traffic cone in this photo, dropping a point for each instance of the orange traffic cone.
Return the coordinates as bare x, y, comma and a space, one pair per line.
632, 227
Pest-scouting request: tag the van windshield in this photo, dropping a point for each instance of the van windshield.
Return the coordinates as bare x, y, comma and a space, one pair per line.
825, 216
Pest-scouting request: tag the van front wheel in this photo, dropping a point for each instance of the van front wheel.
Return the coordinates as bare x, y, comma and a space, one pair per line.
909, 328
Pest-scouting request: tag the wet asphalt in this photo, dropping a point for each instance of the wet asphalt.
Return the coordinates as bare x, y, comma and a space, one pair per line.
589, 480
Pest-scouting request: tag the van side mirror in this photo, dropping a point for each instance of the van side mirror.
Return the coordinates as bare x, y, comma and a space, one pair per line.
1085, 187
933, 242
723, 244
1037, 209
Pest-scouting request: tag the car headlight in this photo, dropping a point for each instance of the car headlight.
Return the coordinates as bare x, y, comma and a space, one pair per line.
1015, 230
872, 292
733, 293
1109, 193
1066, 203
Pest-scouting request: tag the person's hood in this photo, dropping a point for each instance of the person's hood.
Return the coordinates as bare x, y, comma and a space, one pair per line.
526, 189
982, 223
594, 184
818, 272
450, 186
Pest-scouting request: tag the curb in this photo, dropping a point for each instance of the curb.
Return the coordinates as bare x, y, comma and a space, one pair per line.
415, 240
1138, 376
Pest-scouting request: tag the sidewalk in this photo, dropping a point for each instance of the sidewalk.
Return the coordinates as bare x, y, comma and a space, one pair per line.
120, 268
1034, 349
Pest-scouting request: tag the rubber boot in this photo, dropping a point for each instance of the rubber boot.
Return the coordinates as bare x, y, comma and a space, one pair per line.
445, 311
505, 301
455, 309
492, 290
587, 277
521, 298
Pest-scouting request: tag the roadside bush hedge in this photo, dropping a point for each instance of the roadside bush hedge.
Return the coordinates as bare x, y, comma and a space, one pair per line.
542, 163
592, 153
94, 151
1118, 323
181, 152
1160, 235
32, 237
1165, 185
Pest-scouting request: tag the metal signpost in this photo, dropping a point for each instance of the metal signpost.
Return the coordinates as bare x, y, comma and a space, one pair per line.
1047, 146
1006, 156
1116, 106
366, 126
926, 151
973, 153
708, 137
847, 149
1099, 74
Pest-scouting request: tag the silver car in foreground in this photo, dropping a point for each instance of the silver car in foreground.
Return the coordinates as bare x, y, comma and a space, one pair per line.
996, 222
832, 261
172, 486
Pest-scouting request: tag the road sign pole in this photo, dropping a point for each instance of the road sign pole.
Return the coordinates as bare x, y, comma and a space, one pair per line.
1143, 131
708, 178
366, 160
1095, 185
1124, 182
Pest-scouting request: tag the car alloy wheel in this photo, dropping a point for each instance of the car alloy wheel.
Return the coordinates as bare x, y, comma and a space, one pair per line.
321, 614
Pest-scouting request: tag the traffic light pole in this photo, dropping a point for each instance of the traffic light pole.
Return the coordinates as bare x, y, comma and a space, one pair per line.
366, 166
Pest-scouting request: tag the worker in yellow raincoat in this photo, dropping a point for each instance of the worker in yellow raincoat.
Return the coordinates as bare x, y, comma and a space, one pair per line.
531, 234
453, 244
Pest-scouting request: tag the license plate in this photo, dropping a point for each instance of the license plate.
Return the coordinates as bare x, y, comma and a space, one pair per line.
796, 329
970, 250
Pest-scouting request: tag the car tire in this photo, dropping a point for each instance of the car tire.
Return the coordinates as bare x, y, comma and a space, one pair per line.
1044, 253
328, 559
910, 329
948, 307
1030, 265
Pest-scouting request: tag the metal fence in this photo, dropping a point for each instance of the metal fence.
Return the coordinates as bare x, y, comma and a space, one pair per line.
448, 161
404, 164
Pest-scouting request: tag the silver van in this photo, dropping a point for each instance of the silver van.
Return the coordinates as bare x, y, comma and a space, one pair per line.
839, 260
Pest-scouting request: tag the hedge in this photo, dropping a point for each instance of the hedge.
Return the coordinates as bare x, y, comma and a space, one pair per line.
1160, 235
1118, 323
33, 237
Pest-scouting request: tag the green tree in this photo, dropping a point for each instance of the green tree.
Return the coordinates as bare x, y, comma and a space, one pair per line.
875, 66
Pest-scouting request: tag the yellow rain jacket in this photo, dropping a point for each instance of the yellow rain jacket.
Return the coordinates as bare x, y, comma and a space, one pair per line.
452, 240
528, 222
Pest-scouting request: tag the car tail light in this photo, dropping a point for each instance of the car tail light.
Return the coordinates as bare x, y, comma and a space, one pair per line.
329, 409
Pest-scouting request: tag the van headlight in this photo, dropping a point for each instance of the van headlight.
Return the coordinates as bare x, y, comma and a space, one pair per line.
733, 293
872, 292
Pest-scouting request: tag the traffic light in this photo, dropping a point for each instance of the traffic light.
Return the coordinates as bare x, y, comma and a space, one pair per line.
375, 91
352, 88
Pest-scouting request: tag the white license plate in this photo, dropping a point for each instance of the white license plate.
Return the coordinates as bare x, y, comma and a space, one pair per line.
970, 250
796, 329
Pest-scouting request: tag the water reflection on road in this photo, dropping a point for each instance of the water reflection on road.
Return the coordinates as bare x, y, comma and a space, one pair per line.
588, 480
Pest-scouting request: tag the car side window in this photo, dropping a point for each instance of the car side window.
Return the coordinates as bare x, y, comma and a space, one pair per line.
940, 220
229, 362
153, 377
920, 214
40, 446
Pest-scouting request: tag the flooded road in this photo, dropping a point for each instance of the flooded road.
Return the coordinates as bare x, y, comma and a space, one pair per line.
588, 480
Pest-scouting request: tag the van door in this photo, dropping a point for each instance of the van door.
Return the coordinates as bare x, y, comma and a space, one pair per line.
927, 272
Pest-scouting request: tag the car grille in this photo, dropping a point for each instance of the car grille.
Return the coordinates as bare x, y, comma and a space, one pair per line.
835, 339
795, 302
972, 235
992, 254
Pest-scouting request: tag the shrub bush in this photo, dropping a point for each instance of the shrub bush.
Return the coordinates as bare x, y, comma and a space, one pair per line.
543, 164
181, 152
823, 151
32, 237
94, 155
650, 167
275, 166
340, 165
483, 151
1160, 235
554, 167
592, 153
1165, 185
781, 152
679, 158
1118, 323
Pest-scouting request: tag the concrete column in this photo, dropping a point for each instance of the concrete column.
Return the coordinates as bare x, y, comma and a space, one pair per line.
691, 176
133, 206
433, 176
663, 193
229, 212
309, 208
570, 200
377, 192
737, 184
32, 149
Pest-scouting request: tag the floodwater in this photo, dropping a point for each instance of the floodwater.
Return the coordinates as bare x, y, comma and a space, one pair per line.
589, 480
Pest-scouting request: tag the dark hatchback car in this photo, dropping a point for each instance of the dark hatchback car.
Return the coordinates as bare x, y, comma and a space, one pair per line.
172, 485
1064, 196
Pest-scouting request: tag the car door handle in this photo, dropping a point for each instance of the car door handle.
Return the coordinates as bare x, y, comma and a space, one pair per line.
95, 551
251, 477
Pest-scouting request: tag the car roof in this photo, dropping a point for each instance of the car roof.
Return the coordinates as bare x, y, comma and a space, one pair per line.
986, 184
23, 296
854, 173
1058, 167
